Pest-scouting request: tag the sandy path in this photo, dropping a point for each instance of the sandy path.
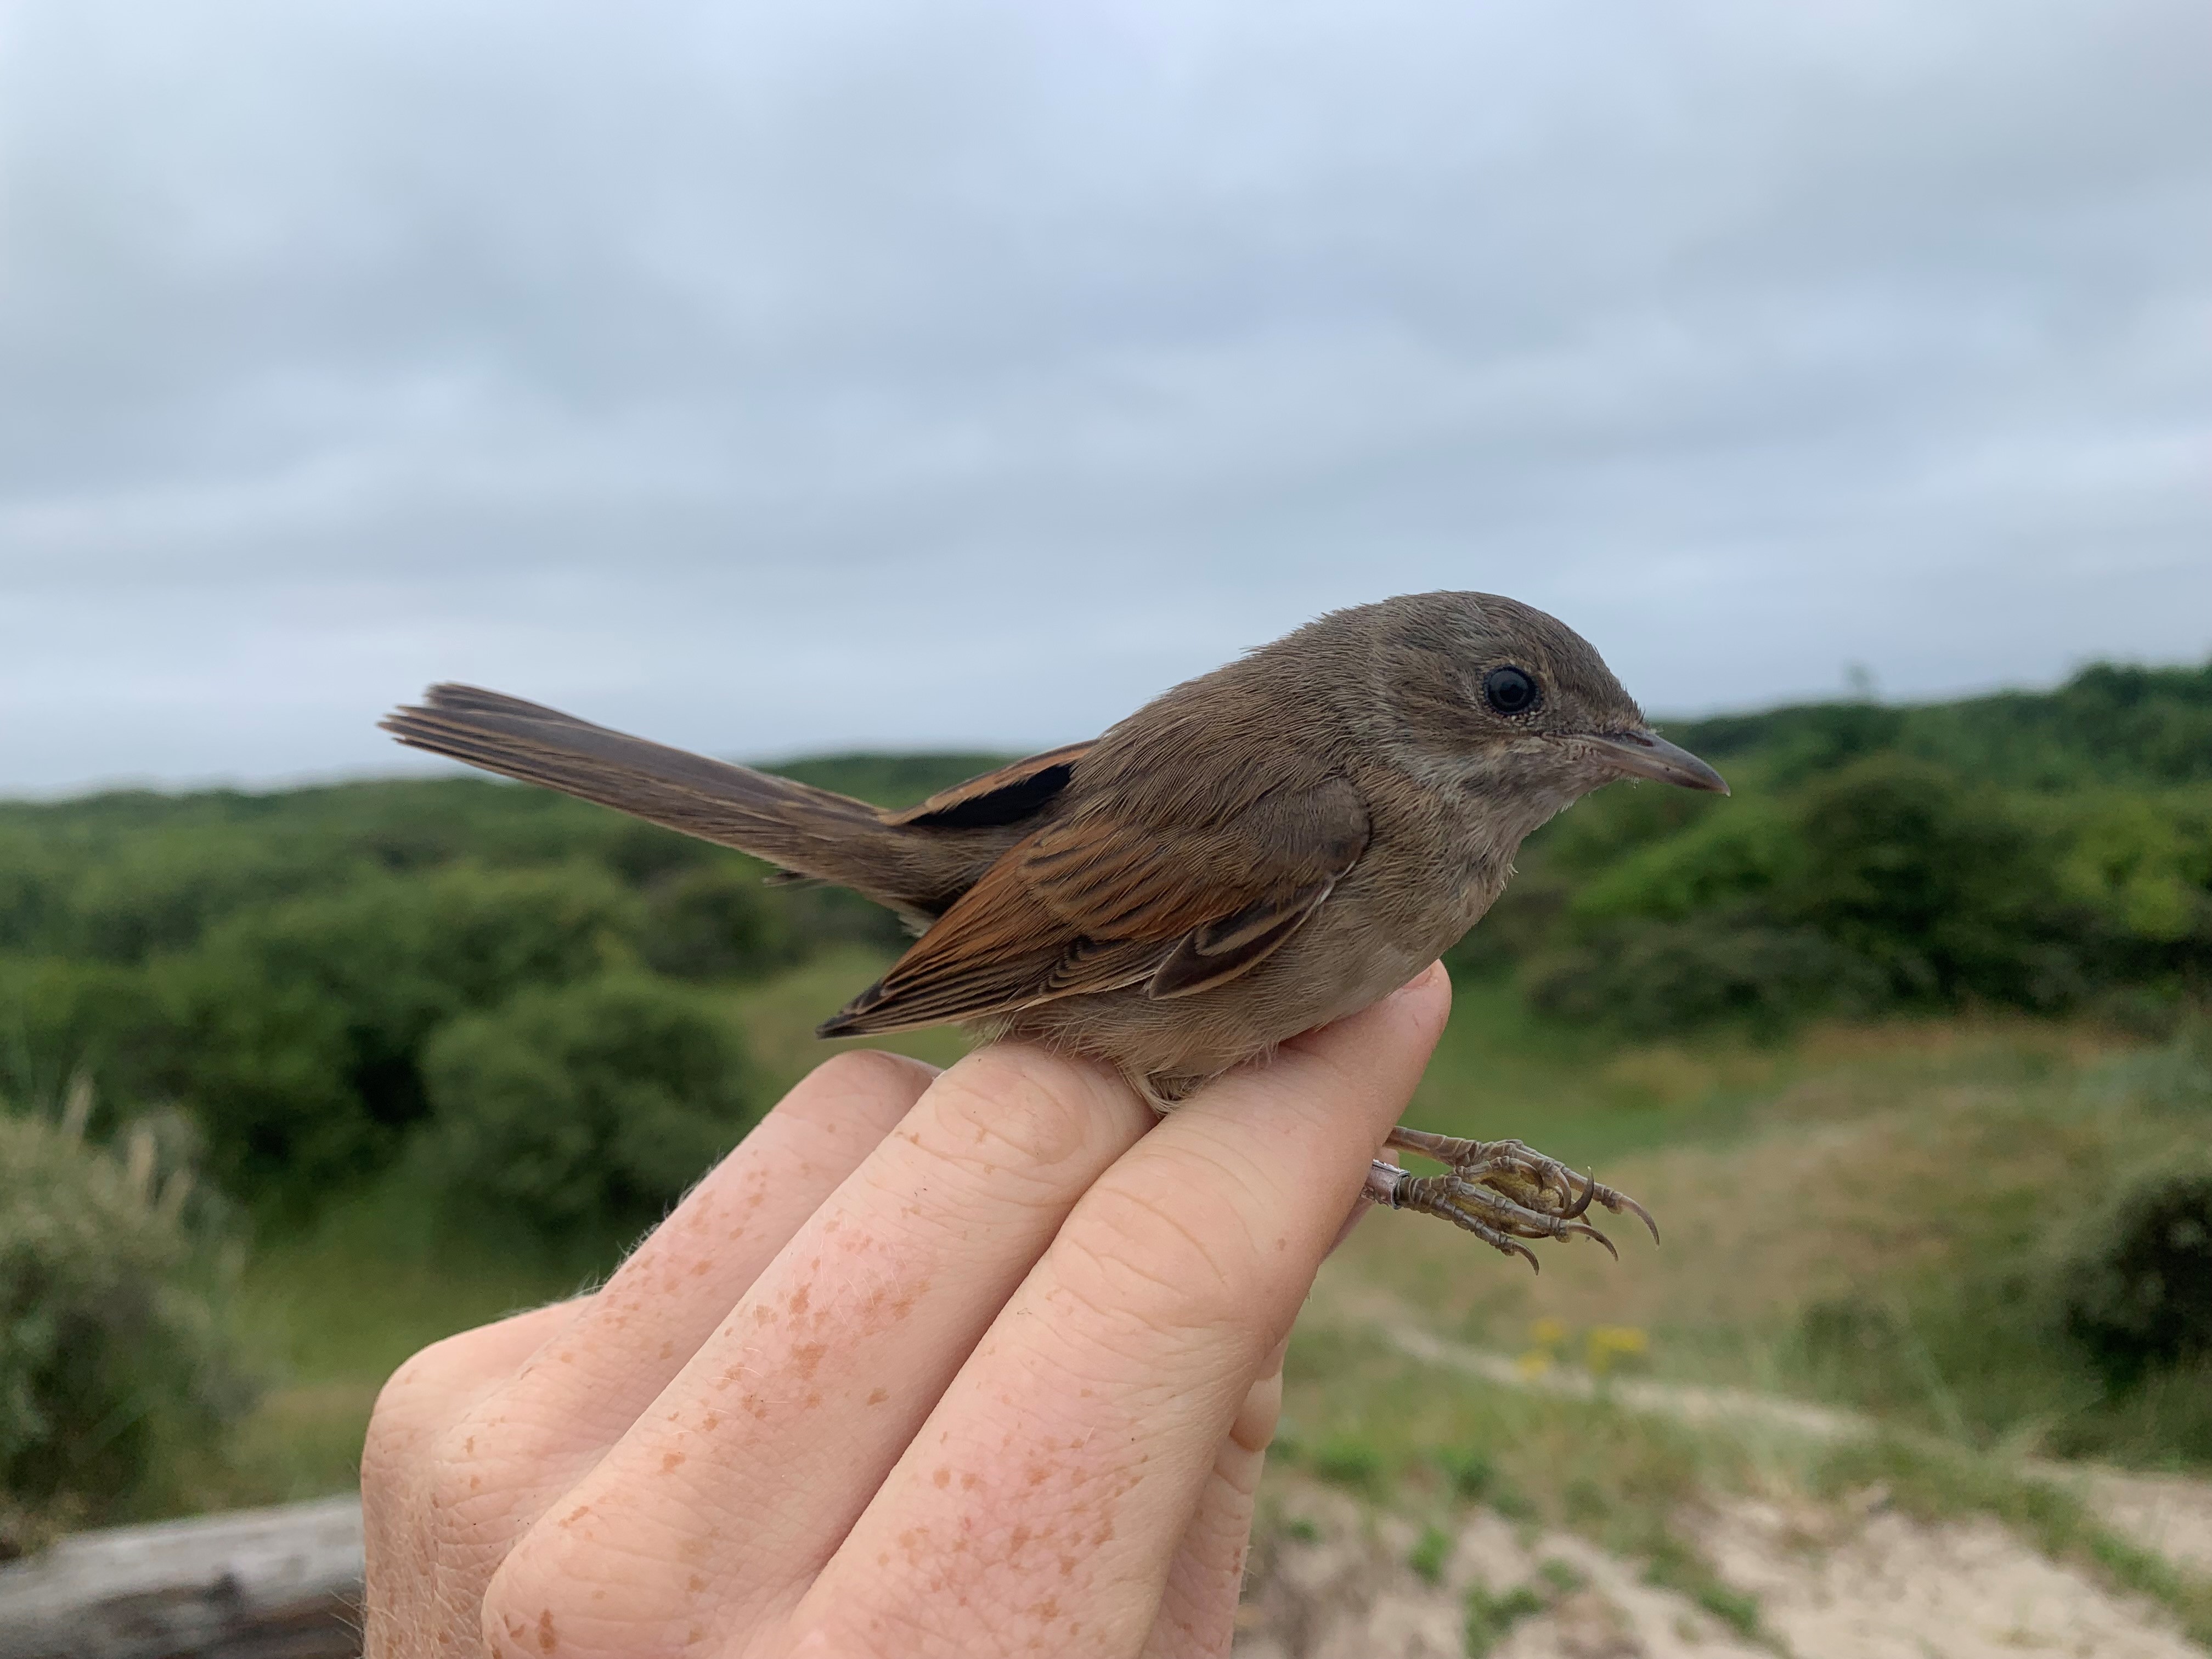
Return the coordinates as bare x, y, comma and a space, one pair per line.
1832, 1585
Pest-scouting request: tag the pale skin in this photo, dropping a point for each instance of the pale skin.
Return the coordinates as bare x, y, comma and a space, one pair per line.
969, 1364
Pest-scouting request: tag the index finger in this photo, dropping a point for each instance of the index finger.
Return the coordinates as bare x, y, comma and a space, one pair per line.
1043, 1500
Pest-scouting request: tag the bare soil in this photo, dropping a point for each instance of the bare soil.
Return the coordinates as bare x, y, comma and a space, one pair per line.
1843, 1582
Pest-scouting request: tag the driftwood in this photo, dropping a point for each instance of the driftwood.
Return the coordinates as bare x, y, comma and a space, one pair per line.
275, 1583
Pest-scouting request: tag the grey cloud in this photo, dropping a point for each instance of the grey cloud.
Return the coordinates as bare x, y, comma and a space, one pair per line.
769, 378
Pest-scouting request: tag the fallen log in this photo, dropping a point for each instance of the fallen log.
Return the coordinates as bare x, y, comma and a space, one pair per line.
274, 1584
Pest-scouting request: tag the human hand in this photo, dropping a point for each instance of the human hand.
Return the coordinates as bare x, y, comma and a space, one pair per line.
971, 1363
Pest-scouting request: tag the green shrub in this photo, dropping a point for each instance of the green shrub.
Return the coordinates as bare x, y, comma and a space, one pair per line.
2144, 864
714, 921
117, 1374
1884, 884
63, 1019
301, 1028
1947, 894
1647, 979
2139, 1296
1717, 864
149, 895
588, 1106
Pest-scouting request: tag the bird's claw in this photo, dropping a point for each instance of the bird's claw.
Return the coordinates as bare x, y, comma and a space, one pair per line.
1503, 1191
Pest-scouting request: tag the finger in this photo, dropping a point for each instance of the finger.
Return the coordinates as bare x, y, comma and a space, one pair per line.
1197, 1616
440, 1384
578, 1395
413, 1409
1044, 1500
725, 1500
523, 1443
1360, 1206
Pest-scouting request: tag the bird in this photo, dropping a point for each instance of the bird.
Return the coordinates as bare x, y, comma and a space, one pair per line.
1253, 854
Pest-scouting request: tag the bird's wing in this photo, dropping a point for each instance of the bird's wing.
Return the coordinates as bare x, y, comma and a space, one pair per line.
1005, 795
1099, 902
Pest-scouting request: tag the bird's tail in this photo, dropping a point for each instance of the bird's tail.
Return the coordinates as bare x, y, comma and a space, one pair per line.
813, 832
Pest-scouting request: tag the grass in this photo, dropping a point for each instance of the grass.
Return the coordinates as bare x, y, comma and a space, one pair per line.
779, 1017
1490, 1616
1429, 1552
1873, 1217
330, 1311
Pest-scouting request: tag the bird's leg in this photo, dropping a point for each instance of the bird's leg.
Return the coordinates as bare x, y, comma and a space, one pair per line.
1501, 1191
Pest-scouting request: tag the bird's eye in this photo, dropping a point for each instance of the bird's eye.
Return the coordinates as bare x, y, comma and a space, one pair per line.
1510, 691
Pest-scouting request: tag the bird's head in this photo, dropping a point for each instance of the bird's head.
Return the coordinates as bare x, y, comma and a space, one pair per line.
1485, 693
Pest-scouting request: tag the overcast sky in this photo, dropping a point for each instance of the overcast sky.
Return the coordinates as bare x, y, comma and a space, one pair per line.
770, 379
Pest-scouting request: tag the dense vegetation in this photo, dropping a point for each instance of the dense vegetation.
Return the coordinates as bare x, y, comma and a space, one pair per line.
285, 966
119, 1373
2049, 853
521, 1002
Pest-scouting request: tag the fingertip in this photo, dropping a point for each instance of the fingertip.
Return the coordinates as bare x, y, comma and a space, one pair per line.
1413, 1016
1427, 995
859, 1092
874, 1068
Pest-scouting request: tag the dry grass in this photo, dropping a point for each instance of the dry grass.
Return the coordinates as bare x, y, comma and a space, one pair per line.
1876, 1161
780, 1015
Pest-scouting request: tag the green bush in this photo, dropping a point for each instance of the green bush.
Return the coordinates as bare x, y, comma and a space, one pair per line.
2139, 1296
118, 1373
588, 1106
1719, 863
301, 1028
714, 921
1648, 979
1884, 884
62, 1018
1939, 887
147, 896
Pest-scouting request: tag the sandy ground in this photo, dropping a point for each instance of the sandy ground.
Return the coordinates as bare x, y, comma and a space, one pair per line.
1847, 1582
2165, 1513
1840, 1583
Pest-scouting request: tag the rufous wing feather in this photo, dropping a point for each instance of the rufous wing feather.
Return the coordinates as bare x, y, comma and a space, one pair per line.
1095, 902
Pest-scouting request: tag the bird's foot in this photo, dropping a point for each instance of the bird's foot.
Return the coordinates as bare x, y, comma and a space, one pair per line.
1501, 1191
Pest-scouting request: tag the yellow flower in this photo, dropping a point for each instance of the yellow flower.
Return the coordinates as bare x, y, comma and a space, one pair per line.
1607, 1344
1532, 1364
1547, 1333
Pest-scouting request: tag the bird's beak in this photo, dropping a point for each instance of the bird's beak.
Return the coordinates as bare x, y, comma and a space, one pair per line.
1647, 755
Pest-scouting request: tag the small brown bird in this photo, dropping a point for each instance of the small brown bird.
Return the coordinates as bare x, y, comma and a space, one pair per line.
1258, 852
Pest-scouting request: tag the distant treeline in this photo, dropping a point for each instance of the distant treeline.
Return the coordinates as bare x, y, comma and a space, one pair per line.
317, 978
